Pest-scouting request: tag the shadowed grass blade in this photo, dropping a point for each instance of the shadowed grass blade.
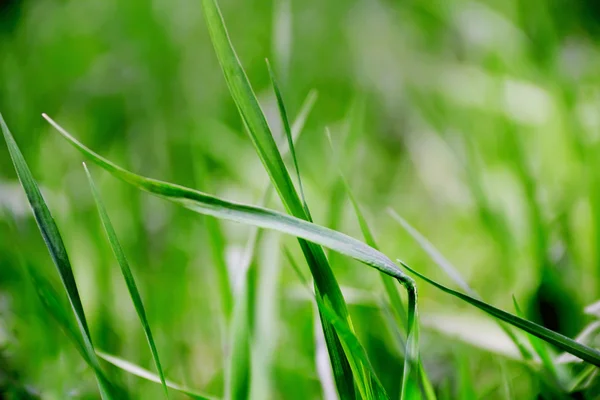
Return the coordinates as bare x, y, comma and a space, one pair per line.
562, 342
127, 275
58, 253
149, 376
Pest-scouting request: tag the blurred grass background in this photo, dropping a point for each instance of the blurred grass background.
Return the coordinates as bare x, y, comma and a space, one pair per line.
476, 121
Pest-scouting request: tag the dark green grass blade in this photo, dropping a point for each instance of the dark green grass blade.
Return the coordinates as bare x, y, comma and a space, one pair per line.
57, 250
540, 348
127, 275
562, 342
149, 376
389, 285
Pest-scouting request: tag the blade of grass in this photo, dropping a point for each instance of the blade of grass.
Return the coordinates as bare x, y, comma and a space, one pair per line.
257, 216
58, 253
586, 353
540, 348
134, 293
136, 370
260, 134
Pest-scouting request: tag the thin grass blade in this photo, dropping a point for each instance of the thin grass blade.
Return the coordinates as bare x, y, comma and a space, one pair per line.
562, 342
58, 253
136, 370
134, 293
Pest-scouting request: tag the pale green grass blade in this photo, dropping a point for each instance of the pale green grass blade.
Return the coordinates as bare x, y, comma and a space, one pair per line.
134, 293
257, 216
466, 387
149, 376
57, 250
562, 342
240, 369
260, 134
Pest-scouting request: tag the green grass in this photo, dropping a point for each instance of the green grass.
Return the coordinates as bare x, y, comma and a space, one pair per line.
474, 121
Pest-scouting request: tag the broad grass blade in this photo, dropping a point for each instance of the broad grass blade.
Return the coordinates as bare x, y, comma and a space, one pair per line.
58, 253
149, 376
127, 275
564, 343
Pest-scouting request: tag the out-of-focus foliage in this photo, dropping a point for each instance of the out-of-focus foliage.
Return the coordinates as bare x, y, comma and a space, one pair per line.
477, 121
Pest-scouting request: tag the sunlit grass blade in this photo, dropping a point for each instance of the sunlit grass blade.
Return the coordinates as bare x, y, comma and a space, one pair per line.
560, 341
149, 376
466, 389
257, 216
127, 275
58, 253
388, 284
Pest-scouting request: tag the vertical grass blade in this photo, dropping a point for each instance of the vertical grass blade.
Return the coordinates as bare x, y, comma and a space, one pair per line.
260, 134
128, 276
58, 253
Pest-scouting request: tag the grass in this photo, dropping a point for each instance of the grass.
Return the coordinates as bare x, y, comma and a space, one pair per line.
451, 140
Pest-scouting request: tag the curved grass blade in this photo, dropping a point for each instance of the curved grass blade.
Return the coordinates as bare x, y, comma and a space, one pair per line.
564, 343
58, 253
247, 214
260, 134
149, 376
127, 275
261, 217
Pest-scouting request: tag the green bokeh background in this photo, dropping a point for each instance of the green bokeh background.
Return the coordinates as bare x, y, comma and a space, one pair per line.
478, 122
